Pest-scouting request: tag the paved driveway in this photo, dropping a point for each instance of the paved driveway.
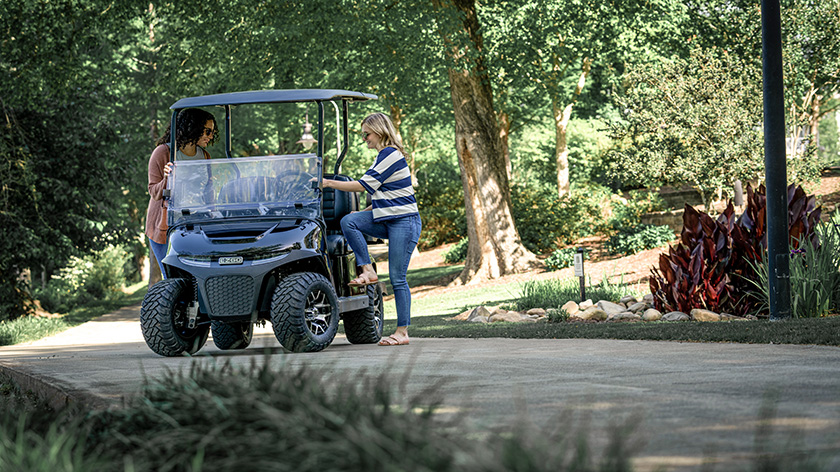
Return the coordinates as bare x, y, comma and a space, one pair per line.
699, 402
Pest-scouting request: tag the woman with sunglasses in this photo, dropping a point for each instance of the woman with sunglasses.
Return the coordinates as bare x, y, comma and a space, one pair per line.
392, 215
195, 129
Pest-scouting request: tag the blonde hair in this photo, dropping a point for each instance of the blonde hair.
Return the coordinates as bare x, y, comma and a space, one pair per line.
381, 124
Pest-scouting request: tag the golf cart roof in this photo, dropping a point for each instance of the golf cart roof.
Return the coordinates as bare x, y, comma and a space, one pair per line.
271, 96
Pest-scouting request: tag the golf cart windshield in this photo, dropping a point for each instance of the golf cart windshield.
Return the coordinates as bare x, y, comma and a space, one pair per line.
268, 186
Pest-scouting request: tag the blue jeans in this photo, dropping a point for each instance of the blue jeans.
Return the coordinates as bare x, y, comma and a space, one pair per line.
402, 235
159, 251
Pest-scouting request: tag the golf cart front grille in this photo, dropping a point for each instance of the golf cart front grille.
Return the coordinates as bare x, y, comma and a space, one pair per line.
230, 295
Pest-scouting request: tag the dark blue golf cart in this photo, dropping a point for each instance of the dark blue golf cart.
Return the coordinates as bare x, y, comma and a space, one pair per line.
256, 239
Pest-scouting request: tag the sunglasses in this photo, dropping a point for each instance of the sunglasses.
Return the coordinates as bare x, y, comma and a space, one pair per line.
209, 131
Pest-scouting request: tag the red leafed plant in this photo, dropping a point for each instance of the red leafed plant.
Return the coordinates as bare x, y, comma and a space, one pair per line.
709, 268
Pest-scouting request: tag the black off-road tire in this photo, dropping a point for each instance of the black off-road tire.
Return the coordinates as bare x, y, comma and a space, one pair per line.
365, 326
163, 319
236, 335
304, 312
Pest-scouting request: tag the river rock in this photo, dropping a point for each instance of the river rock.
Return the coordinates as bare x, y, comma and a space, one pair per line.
479, 314
571, 307
502, 315
585, 304
536, 312
637, 307
593, 313
628, 300
611, 308
624, 316
699, 314
652, 314
648, 299
675, 316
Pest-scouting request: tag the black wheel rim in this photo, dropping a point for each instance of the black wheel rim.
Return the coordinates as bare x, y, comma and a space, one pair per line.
318, 312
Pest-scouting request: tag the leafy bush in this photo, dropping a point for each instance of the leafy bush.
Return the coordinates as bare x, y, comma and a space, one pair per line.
562, 258
712, 266
440, 198
457, 253
627, 212
638, 238
85, 279
557, 315
814, 275
546, 221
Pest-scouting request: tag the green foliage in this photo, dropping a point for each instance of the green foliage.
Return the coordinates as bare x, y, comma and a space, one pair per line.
690, 121
457, 253
829, 140
557, 315
553, 293
638, 238
211, 417
85, 279
814, 275
562, 258
440, 199
545, 221
628, 211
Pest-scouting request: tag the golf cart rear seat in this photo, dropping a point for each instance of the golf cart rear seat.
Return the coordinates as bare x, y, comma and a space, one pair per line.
337, 205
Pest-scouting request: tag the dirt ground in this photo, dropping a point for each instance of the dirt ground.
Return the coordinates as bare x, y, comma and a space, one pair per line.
634, 269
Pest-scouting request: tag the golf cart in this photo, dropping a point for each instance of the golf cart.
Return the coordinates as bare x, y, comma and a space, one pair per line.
256, 239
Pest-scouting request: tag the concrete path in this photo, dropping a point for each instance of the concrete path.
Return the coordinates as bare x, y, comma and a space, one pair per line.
699, 402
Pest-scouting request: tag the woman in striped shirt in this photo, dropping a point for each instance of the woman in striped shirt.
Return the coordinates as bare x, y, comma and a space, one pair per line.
392, 215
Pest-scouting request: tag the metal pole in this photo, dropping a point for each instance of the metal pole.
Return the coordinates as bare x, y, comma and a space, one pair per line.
775, 167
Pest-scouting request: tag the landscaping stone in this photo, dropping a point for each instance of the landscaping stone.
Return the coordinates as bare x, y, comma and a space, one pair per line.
502, 315
479, 314
536, 311
571, 307
698, 314
628, 300
637, 307
624, 316
585, 304
648, 299
728, 317
593, 313
611, 308
652, 314
675, 316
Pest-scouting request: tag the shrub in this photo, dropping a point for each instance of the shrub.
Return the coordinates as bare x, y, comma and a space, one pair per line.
638, 238
814, 275
712, 266
627, 212
440, 198
546, 221
95, 277
457, 253
562, 258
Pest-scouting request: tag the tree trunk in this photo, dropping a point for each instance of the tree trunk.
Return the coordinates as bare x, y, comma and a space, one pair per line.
561, 126
494, 245
504, 134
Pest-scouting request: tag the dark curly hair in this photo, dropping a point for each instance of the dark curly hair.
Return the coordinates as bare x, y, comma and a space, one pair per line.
190, 127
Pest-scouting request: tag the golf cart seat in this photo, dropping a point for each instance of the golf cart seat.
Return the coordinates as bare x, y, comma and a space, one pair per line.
337, 205
247, 190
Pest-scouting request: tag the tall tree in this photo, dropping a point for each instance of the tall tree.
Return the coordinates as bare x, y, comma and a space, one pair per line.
495, 248
546, 50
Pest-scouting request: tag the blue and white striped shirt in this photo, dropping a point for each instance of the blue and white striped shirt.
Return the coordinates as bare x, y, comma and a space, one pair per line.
389, 182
